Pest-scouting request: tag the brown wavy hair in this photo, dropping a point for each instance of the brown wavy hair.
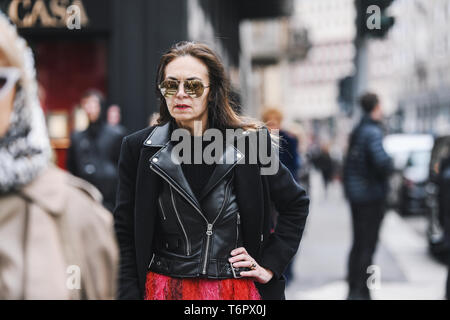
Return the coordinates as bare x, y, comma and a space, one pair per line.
221, 114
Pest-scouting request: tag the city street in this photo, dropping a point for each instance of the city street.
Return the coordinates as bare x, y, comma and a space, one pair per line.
407, 271
113, 116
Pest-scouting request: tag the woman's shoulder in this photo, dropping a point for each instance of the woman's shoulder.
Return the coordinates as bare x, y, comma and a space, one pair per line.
58, 192
52, 188
140, 135
249, 133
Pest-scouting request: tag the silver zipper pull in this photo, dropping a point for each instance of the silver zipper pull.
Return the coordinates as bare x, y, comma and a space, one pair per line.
151, 261
238, 219
209, 231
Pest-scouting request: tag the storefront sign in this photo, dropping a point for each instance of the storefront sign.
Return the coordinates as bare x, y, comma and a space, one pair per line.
48, 14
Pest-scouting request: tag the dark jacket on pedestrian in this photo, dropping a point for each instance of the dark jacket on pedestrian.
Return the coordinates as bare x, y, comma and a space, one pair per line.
325, 164
93, 156
288, 152
367, 165
138, 213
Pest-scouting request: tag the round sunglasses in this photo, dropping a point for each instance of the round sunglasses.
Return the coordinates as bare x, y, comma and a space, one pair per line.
8, 78
193, 88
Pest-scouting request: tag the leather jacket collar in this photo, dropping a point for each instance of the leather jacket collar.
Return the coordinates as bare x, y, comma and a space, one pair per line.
163, 165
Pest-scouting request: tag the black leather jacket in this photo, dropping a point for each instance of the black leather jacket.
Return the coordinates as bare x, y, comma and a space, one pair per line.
194, 237
139, 223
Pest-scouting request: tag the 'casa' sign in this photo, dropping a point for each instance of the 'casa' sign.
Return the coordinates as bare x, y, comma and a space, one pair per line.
51, 14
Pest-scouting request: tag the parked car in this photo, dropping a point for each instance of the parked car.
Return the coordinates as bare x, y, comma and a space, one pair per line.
413, 195
439, 248
400, 147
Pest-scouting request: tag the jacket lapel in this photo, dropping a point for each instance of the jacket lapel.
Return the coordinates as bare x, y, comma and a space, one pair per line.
162, 163
231, 157
173, 173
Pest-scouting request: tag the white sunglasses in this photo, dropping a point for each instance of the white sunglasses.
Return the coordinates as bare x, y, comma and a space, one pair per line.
8, 78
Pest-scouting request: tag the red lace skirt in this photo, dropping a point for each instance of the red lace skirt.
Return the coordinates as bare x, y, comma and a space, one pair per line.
160, 287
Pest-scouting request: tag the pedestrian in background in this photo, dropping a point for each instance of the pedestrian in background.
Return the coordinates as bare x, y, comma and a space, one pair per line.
325, 164
113, 115
114, 119
366, 171
56, 239
198, 230
289, 156
93, 153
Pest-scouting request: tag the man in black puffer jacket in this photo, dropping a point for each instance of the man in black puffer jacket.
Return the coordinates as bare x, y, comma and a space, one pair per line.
366, 171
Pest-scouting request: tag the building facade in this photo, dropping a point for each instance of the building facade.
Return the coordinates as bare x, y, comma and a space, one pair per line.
295, 64
420, 66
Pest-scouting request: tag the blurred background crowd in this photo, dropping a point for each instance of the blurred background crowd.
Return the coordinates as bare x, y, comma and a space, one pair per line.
298, 65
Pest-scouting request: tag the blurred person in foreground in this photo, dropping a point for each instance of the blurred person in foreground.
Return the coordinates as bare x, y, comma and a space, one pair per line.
366, 171
289, 156
56, 239
94, 152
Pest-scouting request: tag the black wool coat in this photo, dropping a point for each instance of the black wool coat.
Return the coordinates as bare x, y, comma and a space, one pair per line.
136, 211
93, 156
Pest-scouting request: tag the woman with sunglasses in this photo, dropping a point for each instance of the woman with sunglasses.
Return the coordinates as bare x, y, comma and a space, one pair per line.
56, 239
195, 229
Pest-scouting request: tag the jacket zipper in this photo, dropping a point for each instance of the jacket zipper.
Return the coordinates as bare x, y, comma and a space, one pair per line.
162, 209
238, 223
151, 261
181, 193
188, 245
209, 231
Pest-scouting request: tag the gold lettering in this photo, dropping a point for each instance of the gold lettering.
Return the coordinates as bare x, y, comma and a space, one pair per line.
40, 12
27, 19
54, 17
58, 8
13, 11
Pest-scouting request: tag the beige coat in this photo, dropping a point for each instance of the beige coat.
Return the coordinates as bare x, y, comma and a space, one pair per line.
56, 241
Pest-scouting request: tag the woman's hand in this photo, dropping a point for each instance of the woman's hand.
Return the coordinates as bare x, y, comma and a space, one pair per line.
241, 259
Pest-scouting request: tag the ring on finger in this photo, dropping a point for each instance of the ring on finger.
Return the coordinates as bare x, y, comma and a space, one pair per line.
253, 266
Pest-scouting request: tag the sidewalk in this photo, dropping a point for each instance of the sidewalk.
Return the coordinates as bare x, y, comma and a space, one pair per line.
406, 269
